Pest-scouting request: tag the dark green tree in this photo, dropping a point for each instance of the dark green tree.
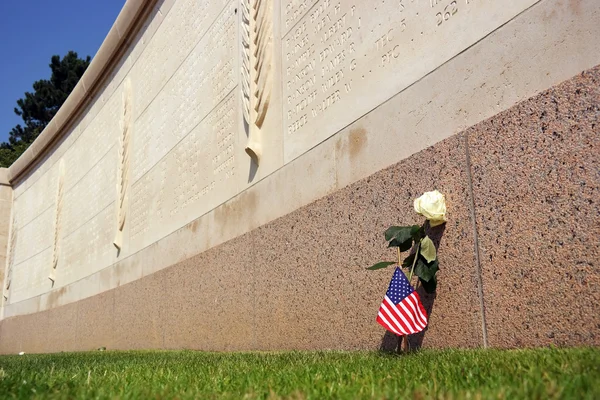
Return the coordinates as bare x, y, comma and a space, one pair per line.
37, 108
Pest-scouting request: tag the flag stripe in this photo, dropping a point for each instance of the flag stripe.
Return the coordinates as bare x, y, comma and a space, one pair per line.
410, 328
388, 325
401, 315
411, 314
402, 328
421, 311
418, 300
381, 319
413, 328
409, 301
401, 310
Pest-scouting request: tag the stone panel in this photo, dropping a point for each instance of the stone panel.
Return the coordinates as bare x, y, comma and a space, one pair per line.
186, 24
200, 84
35, 237
30, 277
312, 289
209, 301
26, 333
94, 142
344, 58
138, 323
198, 174
95, 321
536, 183
61, 334
37, 199
89, 248
92, 194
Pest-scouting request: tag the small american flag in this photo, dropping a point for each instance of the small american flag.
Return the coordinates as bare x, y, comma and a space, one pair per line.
401, 311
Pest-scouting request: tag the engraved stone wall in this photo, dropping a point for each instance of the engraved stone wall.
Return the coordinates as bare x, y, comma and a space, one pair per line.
200, 83
155, 168
343, 58
195, 177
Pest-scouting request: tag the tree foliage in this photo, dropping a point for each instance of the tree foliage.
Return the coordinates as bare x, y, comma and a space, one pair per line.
37, 108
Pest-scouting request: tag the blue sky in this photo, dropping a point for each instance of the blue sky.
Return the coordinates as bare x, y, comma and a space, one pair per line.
31, 31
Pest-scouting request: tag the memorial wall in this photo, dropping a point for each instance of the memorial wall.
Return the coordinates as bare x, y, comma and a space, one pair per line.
224, 171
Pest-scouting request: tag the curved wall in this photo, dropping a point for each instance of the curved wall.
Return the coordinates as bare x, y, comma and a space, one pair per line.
199, 124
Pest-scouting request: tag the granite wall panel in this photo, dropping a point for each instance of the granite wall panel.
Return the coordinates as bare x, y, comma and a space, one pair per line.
226, 252
300, 282
536, 183
235, 81
138, 323
95, 322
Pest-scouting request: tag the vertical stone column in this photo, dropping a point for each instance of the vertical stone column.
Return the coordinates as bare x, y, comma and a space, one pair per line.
5, 218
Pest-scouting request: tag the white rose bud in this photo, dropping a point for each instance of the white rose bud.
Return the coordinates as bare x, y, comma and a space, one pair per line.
432, 205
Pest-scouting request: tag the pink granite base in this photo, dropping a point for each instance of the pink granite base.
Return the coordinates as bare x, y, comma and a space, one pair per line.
536, 184
524, 273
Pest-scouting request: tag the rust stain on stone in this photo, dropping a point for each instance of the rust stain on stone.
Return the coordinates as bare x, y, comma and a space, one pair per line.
55, 295
575, 6
233, 209
194, 226
357, 141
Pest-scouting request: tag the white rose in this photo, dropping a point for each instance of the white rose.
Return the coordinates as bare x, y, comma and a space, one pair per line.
432, 205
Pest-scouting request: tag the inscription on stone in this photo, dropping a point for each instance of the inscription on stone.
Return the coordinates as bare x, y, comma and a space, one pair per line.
187, 23
89, 248
35, 236
343, 58
31, 277
94, 142
202, 81
195, 176
37, 198
94, 192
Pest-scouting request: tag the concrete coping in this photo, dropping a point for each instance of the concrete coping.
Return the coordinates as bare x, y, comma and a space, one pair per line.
105, 59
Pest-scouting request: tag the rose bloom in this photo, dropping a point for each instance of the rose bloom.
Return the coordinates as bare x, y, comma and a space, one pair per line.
432, 205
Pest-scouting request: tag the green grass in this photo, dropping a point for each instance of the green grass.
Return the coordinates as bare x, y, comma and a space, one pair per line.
449, 374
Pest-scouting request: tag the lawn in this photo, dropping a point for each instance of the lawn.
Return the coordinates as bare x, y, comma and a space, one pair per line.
449, 374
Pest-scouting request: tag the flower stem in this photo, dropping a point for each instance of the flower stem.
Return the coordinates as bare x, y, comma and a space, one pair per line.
414, 261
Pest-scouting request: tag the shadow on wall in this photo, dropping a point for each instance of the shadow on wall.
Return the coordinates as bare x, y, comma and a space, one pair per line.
392, 342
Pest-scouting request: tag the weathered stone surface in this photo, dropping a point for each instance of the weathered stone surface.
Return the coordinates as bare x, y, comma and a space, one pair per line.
240, 160
536, 179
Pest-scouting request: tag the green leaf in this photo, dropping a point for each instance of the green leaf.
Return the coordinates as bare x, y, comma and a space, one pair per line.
401, 236
428, 249
403, 246
401, 233
434, 267
421, 270
430, 286
380, 265
408, 261
426, 271
417, 232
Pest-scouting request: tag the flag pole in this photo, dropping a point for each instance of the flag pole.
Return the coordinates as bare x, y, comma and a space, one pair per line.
402, 340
